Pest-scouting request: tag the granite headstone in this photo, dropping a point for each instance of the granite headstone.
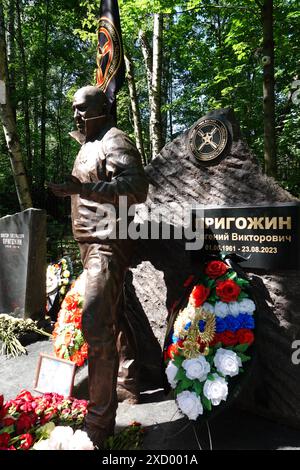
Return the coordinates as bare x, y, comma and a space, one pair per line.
23, 264
161, 267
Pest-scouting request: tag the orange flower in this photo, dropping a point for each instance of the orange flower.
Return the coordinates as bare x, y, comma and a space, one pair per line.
77, 358
68, 338
84, 349
71, 302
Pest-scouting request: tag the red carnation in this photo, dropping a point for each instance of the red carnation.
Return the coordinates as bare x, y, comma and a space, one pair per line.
245, 336
216, 269
199, 295
228, 290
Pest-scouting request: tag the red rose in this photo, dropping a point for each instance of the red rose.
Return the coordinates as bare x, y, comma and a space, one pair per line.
245, 336
3, 411
1, 400
216, 269
199, 295
228, 338
8, 422
24, 423
4, 439
228, 290
26, 441
215, 340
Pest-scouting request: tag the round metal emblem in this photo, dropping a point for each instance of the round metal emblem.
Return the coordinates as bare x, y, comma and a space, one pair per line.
109, 55
208, 139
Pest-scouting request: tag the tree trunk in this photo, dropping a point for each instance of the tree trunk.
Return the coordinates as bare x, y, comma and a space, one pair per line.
135, 108
156, 127
11, 58
10, 131
25, 94
44, 89
269, 89
147, 54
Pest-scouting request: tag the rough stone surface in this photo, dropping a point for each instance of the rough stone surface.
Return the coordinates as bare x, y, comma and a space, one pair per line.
161, 267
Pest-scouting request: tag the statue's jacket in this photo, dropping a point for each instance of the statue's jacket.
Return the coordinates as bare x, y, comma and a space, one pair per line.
108, 167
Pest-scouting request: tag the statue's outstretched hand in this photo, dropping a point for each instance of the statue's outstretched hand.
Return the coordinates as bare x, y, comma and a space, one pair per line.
71, 186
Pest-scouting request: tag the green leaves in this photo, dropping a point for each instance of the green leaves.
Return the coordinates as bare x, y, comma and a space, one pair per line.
178, 360
243, 295
210, 377
242, 282
198, 387
241, 347
180, 374
243, 357
206, 403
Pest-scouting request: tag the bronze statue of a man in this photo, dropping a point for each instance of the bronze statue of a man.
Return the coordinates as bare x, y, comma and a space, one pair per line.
107, 166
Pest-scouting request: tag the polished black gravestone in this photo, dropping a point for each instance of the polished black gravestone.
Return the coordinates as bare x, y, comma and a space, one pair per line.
23, 264
234, 180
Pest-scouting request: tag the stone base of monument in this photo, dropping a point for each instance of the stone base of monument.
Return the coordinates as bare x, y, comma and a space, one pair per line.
23, 264
161, 266
165, 429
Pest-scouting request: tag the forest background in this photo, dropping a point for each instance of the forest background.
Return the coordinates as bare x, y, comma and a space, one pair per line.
183, 59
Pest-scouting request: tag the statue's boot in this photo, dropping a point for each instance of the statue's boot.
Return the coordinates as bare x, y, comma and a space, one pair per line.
127, 383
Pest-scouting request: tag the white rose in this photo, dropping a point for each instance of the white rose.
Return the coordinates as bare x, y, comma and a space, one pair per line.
80, 441
171, 372
221, 309
234, 308
247, 306
60, 437
208, 307
196, 368
227, 362
216, 390
190, 404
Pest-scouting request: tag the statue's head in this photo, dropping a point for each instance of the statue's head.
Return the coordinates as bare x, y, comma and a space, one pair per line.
90, 107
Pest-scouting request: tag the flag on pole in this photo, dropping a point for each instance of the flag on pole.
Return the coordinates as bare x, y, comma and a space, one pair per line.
110, 55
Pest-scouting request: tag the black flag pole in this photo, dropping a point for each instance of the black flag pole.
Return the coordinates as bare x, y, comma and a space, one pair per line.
110, 55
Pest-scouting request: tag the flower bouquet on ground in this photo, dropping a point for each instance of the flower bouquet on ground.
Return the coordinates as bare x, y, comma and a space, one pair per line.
209, 344
26, 420
53, 422
13, 331
68, 338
